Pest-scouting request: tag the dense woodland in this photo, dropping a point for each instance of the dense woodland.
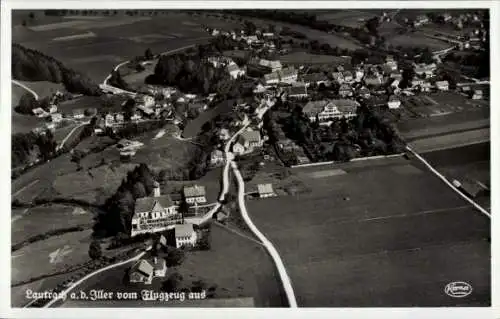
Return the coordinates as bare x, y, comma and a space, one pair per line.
28, 147
32, 65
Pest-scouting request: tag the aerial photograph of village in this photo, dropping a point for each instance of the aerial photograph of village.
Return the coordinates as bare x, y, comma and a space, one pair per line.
250, 158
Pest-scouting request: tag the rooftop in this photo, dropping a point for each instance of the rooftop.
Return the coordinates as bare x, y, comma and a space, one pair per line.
265, 188
146, 204
142, 266
184, 230
194, 191
251, 136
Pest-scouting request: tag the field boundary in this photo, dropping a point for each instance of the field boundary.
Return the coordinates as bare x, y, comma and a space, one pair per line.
359, 159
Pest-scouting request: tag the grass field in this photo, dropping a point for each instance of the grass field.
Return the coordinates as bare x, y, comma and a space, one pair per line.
23, 260
417, 40
348, 18
113, 39
389, 235
238, 266
39, 220
306, 58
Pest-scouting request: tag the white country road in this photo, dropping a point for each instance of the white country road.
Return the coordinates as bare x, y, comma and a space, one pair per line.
26, 88
285, 279
76, 284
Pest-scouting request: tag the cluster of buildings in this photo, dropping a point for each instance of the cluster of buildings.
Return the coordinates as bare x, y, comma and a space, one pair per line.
157, 213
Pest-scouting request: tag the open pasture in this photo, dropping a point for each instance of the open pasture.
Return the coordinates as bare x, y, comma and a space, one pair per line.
347, 18
389, 235
417, 39
307, 58
30, 222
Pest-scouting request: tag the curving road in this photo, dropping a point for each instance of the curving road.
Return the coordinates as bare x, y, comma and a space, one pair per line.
69, 134
285, 279
26, 88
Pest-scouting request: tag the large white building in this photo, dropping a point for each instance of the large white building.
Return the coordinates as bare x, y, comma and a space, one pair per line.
325, 110
155, 213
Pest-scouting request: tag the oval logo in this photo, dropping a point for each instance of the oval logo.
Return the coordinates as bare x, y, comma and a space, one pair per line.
458, 289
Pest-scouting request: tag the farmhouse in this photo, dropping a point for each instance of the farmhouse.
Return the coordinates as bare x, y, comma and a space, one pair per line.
345, 90
442, 85
154, 213
348, 77
364, 92
148, 100
394, 102
265, 190
425, 87
195, 194
159, 266
56, 117
427, 69
287, 145
420, 20
477, 95
217, 158
373, 80
185, 235
296, 91
78, 114
338, 77
288, 75
274, 65
247, 142
234, 70
316, 78
329, 109
141, 272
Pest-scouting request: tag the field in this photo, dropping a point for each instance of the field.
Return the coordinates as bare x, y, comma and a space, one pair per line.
306, 58
95, 46
46, 218
247, 272
380, 235
417, 40
193, 127
83, 102
347, 18
38, 254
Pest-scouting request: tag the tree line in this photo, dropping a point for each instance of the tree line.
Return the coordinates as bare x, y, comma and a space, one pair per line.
28, 147
33, 65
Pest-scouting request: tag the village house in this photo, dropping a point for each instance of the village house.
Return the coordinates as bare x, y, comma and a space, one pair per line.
477, 95
359, 74
268, 34
185, 236
416, 82
119, 118
274, 65
391, 64
159, 266
148, 100
394, 83
338, 77
297, 92
234, 70
39, 112
224, 134
247, 142
194, 195
442, 85
325, 110
446, 17
364, 92
316, 78
141, 272
425, 69
154, 213
53, 108
420, 20
78, 114
265, 190
345, 90
373, 80
396, 76
272, 78
136, 116
217, 158
394, 102
56, 117
288, 75
426, 87
287, 145
348, 77
250, 39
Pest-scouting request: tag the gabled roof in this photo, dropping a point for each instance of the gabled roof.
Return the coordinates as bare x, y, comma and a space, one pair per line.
265, 188
194, 191
251, 136
184, 230
146, 204
296, 90
143, 266
314, 77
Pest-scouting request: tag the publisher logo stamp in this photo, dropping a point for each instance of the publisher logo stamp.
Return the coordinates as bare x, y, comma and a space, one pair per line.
458, 289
